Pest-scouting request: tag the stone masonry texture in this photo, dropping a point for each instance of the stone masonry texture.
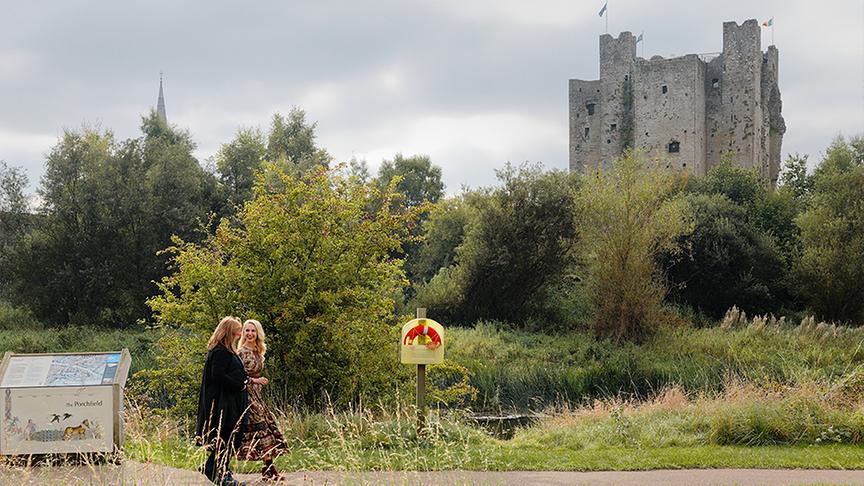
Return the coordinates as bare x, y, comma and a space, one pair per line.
687, 112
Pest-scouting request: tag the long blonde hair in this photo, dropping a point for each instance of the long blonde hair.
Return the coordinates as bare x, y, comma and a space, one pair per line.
259, 345
224, 334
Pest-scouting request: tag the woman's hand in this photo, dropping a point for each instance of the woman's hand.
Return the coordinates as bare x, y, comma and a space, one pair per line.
260, 381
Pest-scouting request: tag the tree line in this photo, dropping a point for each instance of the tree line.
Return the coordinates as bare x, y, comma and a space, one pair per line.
540, 248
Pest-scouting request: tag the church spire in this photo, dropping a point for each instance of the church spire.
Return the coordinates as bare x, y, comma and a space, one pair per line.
160, 105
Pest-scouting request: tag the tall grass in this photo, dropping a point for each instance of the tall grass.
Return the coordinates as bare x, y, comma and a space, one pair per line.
743, 414
522, 370
811, 425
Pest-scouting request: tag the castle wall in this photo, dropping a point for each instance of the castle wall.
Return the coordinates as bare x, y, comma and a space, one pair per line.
714, 106
669, 111
772, 119
584, 128
740, 131
713, 112
617, 57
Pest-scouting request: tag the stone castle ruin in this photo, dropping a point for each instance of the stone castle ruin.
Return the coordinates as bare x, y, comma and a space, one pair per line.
688, 112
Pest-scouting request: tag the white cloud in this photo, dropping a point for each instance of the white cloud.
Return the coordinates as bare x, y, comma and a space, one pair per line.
24, 149
473, 143
549, 13
15, 65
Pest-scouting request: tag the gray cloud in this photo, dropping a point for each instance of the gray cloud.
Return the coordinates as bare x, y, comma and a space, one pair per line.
474, 85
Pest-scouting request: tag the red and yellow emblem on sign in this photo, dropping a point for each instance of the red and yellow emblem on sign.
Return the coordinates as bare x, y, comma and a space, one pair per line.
422, 342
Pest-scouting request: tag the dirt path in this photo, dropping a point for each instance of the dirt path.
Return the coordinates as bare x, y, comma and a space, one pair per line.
138, 474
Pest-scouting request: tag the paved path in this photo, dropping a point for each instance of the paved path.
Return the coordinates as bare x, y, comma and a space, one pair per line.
138, 474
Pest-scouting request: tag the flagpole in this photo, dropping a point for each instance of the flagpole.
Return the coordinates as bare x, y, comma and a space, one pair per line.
607, 17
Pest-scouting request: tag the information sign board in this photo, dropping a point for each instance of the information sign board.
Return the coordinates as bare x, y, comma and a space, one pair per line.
62, 403
56, 420
61, 370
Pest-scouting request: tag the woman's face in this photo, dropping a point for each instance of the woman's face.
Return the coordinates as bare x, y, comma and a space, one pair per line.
249, 332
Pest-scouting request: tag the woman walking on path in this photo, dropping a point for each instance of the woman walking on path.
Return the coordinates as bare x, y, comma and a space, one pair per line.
261, 439
222, 401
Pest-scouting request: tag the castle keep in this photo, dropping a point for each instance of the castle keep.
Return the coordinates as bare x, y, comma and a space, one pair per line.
685, 111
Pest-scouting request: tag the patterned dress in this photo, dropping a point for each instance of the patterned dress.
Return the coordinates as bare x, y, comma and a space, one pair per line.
261, 438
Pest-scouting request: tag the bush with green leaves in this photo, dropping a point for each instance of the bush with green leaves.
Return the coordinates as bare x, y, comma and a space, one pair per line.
628, 216
310, 261
830, 274
109, 206
512, 243
727, 261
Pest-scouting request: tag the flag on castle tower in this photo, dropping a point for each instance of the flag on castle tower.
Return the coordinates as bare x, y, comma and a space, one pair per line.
768, 23
603, 10
639, 39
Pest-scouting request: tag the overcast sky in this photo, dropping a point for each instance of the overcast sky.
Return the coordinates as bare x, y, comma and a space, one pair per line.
473, 84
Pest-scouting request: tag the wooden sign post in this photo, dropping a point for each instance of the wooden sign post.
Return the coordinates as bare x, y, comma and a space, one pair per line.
421, 387
422, 343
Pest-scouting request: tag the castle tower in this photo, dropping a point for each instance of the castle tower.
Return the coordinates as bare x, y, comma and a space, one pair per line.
689, 112
160, 104
740, 123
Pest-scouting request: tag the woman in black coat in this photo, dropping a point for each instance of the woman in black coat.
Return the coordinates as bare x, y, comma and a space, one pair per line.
222, 400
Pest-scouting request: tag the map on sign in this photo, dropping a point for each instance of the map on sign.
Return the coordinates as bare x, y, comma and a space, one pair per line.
62, 370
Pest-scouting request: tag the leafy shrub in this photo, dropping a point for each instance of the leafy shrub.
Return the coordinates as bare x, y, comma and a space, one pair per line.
629, 216
311, 261
17, 318
514, 241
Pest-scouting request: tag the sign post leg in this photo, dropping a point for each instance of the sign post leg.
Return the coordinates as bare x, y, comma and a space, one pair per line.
421, 399
421, 388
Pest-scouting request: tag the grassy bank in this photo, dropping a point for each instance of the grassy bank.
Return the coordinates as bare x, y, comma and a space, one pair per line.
804, 427
523, 370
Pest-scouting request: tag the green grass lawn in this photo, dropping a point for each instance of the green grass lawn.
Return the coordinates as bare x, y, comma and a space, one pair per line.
494, 455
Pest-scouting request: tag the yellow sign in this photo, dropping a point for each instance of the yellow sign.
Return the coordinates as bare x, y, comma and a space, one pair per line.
422, 342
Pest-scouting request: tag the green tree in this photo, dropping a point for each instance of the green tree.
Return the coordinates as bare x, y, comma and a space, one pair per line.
419, 183
55, 267
518, 241
795, 179
741, 185
726, 260
291, 143
309, 261
628, 217
359, 169
443, 232
108, 207
14, 215
419, 180
238, 161
770, 217
13, 204
830, 273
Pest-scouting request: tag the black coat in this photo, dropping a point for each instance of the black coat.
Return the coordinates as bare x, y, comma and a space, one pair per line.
223, 398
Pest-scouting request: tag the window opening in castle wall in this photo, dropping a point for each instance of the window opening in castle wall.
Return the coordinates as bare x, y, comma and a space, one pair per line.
590, 107
664, 89
673, 147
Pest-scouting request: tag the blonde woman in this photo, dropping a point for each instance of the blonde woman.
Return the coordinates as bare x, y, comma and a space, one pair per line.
261, 438
222, 401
